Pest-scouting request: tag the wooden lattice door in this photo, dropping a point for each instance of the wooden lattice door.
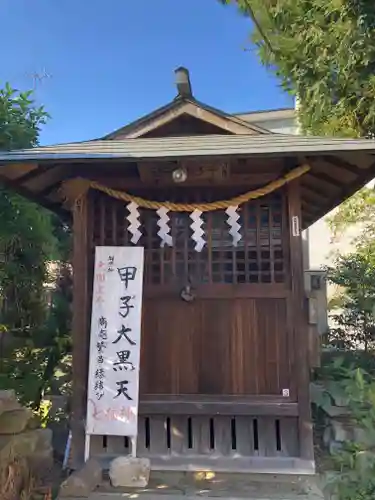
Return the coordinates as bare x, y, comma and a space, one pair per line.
232, 337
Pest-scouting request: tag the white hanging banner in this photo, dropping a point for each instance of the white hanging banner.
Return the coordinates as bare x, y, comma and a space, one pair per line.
112, 401
134, 222
163, 233
235, 227
198, 232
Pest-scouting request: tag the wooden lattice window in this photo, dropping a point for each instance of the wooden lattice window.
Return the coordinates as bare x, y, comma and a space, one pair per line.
260, 256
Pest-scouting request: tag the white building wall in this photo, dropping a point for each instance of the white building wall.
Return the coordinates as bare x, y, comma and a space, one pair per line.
283, 126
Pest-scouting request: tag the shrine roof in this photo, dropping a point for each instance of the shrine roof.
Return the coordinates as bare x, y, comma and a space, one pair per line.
191, 146
339, 167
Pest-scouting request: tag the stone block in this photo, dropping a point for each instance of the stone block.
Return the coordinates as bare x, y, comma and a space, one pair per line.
32, 444
44, 438
327, 434
8, 402
365, 461
129, 472
20, 445
7, 394
42, 458
337, 411
14, 421
83, 481
335, 447
363, 436
340, 431
337, 393
34, 423
346, 429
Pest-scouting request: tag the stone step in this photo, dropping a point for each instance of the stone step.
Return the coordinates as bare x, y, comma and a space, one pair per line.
119, 496
194, 486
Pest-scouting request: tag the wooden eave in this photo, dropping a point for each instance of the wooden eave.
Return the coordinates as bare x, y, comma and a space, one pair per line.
190, 107
338, 167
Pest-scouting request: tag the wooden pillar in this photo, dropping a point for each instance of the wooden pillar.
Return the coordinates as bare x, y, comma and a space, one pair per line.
81, 325
299, 323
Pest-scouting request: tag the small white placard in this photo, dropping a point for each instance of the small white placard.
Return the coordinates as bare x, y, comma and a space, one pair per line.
295, 226
113, 383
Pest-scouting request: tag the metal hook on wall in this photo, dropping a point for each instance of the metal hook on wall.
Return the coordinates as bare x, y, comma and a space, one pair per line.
187, 294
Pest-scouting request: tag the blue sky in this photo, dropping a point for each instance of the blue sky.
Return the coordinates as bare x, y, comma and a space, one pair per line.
112, 61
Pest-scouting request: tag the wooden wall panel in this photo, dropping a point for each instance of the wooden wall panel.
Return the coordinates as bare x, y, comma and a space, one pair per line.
215, 347
170, 331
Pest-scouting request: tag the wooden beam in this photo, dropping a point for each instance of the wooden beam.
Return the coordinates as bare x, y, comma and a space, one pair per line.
341, 163
221, 291
37, 172
330, 172
347, 191
56, 181
15, 170
118, 166
315, 185
311, 195
308, 210
256, 465
80, 324
246, 181
49, 189
219, 407
297, 319
361, 159
51, 175
326, 179
14, 186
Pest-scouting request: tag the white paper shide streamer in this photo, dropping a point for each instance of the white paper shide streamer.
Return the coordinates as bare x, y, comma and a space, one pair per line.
134, 223
198, 232
163, 223
234, 226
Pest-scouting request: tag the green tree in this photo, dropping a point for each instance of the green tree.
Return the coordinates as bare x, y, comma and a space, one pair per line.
324, 52
31, 341
359, 212
353, 308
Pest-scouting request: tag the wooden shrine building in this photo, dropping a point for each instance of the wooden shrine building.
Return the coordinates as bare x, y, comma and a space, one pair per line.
227, 338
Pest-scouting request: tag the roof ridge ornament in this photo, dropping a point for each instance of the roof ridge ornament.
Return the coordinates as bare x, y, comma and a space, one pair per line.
183, 83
